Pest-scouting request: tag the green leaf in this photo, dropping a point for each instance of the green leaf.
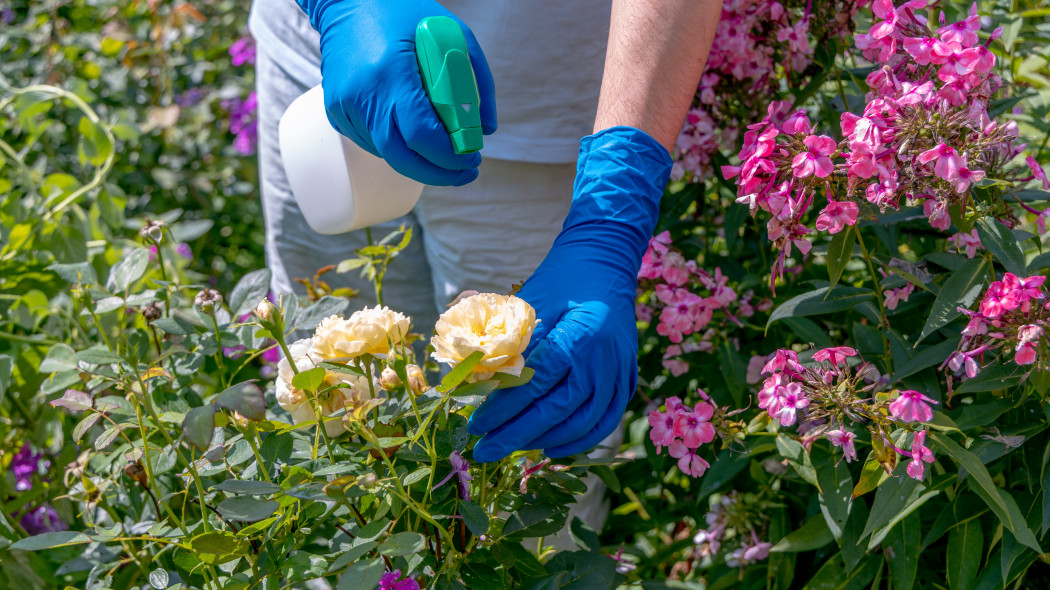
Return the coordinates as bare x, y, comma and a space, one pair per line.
729, 463
50, 541
793, 451
98, 355
535, 520
814, 534
360, 575
474, 517
460, 372
75, 273
481, 389
930, 356
85, 425
992, 378
217, 548
1000, 241
74, 401
965, 544
309, 380
1002, 503
246, 509
836, 487
251, 487
821, 301
840, 251
960, 290
94, 145
309, 318
129, 269
833, 575
249, 291
158, 579
107, 437
891, 499
506, 381
399, 544
199, 426
246, 399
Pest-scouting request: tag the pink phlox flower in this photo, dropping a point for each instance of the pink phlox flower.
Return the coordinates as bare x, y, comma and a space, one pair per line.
721, 294
243, 51
963, 361
692, 464
661, 428
836, 355
927, 50
693, 427
997, 300
836, 216
919, 454
913, 94
769, 397
783, 360
754, 368
798, 123
968, 243
392, 581
675, 272
884, 10
672, 363
937, 212
894, 297
912, 406
963, 32
954, 93
793, 400
643, 312
948, 161
1039, 174
844, 439
1028, 337
965, 178
817, 161
977, 59
883, 193
861, 160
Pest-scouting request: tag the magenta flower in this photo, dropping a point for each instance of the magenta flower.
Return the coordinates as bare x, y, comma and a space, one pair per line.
24, 465
42, 519
661, 428
460, 469
791, 402
1037, 171
844, 439
689, 462
783, 360
693, 426
392, 581
836, 355
769, 397
798, 122
1028, 337
243, 51
948, 161
919, 454
672, 363
912, 406
927, 50
893, 297
836, 216
817, 161
968, 243
965, 178
963, 32
962, 360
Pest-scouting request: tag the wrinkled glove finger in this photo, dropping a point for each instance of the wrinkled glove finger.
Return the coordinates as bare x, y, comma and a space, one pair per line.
425, 134
551, 364
597, 398
517, 432
407, 162
608, 422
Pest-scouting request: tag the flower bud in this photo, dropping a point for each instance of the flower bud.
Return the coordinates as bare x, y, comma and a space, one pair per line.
152, 312
153, 231
207, 299
265, 310
416, 381
389, 379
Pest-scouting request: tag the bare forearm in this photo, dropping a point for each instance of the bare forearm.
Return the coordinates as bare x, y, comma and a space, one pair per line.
657, 51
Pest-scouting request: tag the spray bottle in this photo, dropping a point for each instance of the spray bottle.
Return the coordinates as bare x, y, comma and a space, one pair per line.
341, 187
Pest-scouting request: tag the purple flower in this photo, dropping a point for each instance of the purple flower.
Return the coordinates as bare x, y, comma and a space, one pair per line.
184, 250
42, 519
390, 581
243, 51
912, 406
461, 469
24, 465
190, 97
243, 123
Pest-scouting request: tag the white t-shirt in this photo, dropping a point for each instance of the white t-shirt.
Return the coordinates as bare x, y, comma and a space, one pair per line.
546, 58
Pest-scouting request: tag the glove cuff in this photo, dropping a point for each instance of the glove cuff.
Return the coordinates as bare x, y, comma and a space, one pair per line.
621, 175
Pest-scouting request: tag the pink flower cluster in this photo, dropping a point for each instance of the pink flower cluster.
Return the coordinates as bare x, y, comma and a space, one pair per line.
757, 43
244, 124
682, 430
924, 134
685, 298
731, 517
1011, 317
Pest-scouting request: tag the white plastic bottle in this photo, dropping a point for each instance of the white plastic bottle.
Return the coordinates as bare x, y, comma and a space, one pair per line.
339, 186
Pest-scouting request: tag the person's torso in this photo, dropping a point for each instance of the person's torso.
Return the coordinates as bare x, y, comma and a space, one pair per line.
546, 58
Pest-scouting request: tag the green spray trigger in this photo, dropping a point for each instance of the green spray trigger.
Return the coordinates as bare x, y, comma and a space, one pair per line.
444, 62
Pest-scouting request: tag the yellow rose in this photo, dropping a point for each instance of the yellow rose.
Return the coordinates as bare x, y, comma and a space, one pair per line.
500, 326
296, 402
367, 331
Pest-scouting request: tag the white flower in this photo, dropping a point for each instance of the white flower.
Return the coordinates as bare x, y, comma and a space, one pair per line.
500, 326
368, 331
297, 402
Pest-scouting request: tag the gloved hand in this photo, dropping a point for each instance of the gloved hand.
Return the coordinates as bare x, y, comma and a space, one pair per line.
585, 349
374, 93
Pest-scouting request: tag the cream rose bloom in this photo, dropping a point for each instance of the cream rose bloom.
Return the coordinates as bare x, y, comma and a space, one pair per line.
367, 331
296, 402
500, 326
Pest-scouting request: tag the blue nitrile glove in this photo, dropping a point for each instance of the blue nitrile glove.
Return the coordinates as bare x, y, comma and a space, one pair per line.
585, 349
373, 90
